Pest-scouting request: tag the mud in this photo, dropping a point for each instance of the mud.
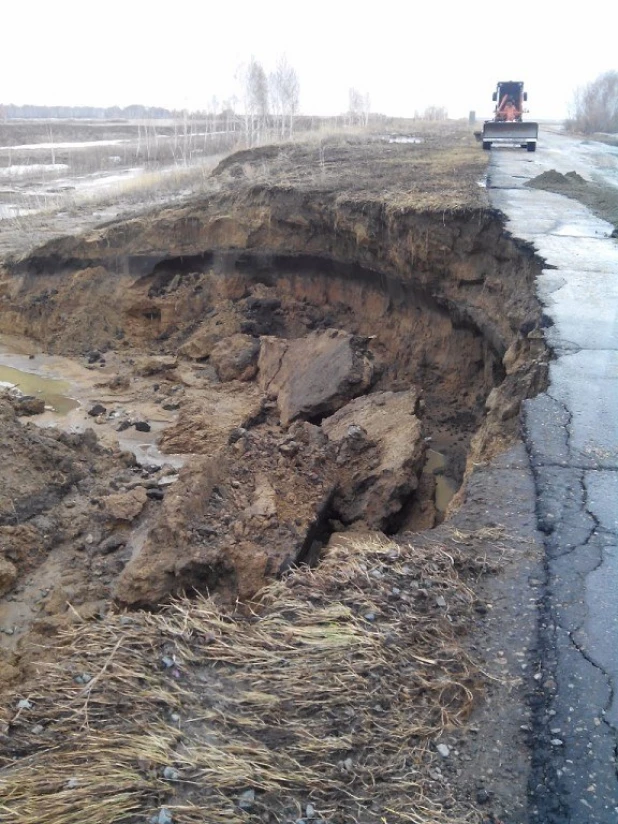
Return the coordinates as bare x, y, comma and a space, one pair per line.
52, 392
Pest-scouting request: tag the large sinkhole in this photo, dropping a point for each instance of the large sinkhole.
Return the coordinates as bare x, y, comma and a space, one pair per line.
325, 395
413, 341
410, 339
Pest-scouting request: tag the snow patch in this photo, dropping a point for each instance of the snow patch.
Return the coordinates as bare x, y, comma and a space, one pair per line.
32, 168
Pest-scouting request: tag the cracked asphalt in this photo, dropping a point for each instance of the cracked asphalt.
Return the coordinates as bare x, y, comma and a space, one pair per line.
571, 434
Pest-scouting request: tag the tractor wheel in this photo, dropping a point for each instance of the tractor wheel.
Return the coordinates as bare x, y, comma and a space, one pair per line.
487, 145
531, 146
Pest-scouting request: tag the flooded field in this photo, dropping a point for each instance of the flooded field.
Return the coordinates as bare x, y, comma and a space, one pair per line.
47, 175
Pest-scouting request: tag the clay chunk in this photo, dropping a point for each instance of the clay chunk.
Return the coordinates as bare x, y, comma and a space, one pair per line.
314, 376
380, 455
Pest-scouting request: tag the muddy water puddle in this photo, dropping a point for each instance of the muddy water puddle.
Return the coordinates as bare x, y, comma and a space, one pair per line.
446, 487
54, 392
68, 391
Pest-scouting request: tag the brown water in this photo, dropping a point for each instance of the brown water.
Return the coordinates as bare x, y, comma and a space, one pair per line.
446, 487
54, 392
69, 414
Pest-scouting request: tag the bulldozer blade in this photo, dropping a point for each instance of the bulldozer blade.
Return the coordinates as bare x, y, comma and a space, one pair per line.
508, 133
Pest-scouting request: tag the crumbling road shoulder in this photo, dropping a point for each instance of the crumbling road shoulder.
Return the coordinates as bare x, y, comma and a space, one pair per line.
572, 439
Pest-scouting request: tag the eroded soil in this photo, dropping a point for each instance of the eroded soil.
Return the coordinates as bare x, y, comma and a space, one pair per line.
302, 337
600, 197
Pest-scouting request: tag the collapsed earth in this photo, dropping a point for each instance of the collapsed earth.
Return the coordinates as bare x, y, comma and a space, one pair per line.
255, 571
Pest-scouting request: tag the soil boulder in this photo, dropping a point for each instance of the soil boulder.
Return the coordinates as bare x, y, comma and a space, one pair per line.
28, 405
222, 321
156, 365
314, 376
235, 520
125, 506
21, 543
380, 455
235, 358
38, 466
205, 426
8, 576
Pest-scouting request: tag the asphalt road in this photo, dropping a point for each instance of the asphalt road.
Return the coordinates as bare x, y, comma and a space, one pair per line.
571, 433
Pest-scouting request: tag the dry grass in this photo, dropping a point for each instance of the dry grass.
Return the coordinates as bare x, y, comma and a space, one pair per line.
345, 167
440, 173
332, 691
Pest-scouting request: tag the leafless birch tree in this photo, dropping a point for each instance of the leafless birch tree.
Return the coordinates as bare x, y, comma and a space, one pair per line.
256, 100
284, 94
595, 107
359, 106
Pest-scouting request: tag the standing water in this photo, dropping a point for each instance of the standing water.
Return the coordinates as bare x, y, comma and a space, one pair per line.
53, 392
446, 487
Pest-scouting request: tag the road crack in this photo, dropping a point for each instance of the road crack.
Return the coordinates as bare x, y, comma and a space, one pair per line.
569, 422
607, 676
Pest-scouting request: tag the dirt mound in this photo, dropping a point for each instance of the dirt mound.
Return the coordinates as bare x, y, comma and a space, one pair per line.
573, 177
602, 200
234, 521
552, 181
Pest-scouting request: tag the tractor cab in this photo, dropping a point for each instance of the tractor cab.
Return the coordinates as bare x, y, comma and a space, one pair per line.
507, 128
509, 98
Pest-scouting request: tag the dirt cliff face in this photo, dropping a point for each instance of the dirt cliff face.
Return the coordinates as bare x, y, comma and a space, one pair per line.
154, 277
380, 209
244, 286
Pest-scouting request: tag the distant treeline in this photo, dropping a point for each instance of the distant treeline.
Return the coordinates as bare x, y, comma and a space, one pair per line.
136, 112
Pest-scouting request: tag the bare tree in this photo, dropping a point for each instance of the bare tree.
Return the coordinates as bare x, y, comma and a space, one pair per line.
256, 100
366, 108
435, 113
355, 102
284, 94
359, 106
229, 113
595, 107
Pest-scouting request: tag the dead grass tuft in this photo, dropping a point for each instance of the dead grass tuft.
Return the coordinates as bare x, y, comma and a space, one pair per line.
331, 691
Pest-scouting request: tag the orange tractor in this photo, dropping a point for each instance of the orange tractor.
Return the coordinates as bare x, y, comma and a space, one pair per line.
507, 128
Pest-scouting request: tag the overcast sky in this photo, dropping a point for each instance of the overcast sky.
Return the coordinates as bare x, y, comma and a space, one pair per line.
407, 55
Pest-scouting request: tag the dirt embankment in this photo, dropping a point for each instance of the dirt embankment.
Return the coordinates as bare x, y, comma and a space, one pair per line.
437, 302
309, 330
